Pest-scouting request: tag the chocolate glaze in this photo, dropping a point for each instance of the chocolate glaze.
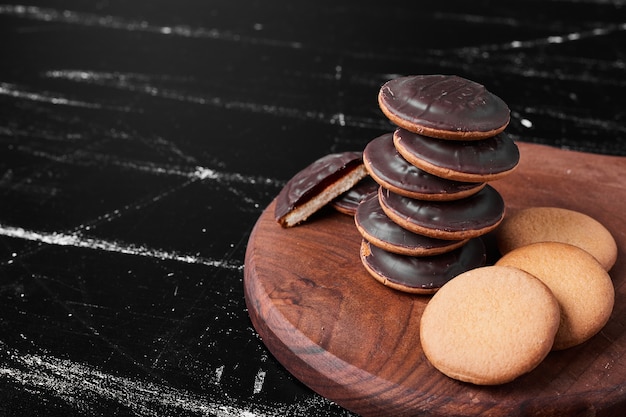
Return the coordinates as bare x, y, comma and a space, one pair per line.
380, 230
349, 201
389, 168
480, 211
481, 157
313, 179
443, 102
427, 273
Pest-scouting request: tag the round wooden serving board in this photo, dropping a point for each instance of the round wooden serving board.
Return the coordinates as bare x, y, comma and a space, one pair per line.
357, 342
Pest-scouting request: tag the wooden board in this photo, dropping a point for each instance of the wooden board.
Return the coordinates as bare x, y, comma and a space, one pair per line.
356, 342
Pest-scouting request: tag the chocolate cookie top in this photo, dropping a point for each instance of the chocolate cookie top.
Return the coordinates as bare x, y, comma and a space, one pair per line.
377, 228
443, 106
316, 185
392, 171
348, 202
422, 275
478, 160
460, 219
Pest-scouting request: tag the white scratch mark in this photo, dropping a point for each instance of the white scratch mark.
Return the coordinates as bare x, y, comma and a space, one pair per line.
79, 241
338, 72
84, 387
259, 379
14, 91
191, 172
552, 39
526, 123
218, 374
609, 125
118, 23
141, 83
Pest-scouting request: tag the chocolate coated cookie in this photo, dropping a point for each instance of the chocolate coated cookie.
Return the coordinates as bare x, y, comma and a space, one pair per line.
316, 185
392, 171
478, 160
459, 219
424, 274
443, 106
348, 202
378, 229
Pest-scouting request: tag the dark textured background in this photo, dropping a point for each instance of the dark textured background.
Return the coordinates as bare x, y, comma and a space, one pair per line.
140, 141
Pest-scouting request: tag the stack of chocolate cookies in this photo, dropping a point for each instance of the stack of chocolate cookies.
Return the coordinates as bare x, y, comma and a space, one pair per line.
423, 226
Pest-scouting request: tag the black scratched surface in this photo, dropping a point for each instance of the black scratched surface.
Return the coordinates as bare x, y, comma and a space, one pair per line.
140, 141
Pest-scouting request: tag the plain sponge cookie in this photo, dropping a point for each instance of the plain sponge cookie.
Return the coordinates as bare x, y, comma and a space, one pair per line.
581, 285
540, 224
489, 325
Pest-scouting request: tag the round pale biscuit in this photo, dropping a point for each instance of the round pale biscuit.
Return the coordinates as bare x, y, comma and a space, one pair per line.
581, 285
541, 224
489, 325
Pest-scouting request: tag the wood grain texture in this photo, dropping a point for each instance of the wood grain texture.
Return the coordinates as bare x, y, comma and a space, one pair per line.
357, 343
